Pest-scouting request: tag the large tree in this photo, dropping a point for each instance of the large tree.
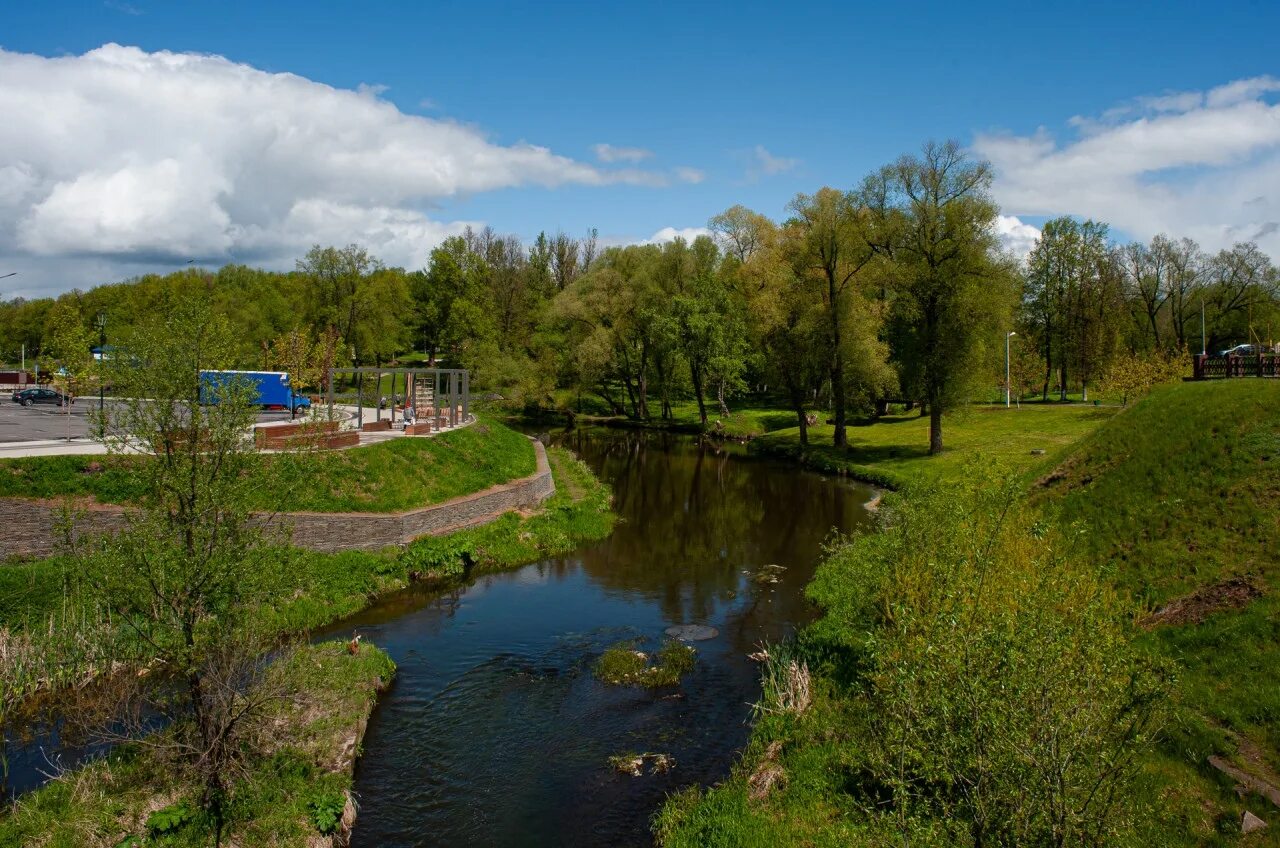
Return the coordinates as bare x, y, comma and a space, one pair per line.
952, 290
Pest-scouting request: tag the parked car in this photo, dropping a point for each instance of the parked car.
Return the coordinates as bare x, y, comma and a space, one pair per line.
1242, 350
30, 397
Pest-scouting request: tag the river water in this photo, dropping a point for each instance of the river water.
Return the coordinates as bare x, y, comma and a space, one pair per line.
495, 731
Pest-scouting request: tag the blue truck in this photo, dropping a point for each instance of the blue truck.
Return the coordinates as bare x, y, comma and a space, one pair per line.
274, 391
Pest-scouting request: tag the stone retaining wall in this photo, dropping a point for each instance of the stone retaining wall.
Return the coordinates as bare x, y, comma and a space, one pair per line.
29, 527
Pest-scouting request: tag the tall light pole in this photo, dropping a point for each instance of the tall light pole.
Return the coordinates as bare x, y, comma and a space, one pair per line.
1007, 336
102, 361
1204, 345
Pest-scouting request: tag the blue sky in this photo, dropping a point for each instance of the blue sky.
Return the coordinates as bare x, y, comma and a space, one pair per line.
761, 100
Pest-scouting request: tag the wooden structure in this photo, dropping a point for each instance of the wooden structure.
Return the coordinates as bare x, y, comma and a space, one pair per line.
439, 397
1209, 367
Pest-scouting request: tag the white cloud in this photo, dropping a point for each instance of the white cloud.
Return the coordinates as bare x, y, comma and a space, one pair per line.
1015, 236
119, 158
671, 234
1204, 165
690, 175
610, 153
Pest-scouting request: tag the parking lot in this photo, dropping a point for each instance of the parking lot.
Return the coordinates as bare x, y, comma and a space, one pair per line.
44, 423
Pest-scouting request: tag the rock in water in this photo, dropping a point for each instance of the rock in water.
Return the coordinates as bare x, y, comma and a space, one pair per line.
1249, 823
692, 632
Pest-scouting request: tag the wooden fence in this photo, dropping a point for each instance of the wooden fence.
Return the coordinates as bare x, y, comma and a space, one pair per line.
1254, 365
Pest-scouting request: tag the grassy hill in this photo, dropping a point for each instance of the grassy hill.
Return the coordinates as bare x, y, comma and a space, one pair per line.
1179, 498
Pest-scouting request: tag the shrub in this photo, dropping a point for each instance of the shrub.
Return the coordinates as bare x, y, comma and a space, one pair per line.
1003, 702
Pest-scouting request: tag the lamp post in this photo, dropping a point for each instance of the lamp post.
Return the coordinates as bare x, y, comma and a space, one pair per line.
102, 359
1007, 336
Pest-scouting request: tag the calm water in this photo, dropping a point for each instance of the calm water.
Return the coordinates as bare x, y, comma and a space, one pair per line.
496, 733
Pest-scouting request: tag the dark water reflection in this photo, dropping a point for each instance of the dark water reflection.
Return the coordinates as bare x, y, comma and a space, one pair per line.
495, 732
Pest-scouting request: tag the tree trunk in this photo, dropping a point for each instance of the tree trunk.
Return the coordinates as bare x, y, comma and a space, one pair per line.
840, 438
935, 428
695, 375
724, 409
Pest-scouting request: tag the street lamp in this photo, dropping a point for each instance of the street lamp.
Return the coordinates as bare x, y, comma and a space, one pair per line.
102, 359
10, 274
1007, 336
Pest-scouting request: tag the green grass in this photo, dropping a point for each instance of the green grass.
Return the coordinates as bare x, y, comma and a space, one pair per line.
318, 588
280, 800
624, 664
1176, 494
394, 475
895, 449
1171, 495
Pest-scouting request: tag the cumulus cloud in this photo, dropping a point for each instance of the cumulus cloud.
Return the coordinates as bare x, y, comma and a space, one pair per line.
610, 153
1198, 164
1015, 236
120, 157
667, 234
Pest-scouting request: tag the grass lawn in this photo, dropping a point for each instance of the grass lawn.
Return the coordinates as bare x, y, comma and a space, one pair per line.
397, 474
293, 793
895, 449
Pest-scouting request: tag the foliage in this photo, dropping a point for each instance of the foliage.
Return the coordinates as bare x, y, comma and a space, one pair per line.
624, 664
973, 684
289, 787
170, 818
1132, 376
326, 811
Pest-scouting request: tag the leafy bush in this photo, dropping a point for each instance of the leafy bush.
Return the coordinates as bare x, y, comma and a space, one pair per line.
171, 818
326, 811
1003, 701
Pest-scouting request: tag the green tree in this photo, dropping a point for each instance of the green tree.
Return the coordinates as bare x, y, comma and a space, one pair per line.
952, 291
186, 574
830, 244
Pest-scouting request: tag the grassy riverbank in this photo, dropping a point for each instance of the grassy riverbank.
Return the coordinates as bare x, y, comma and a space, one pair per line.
1174, 504
394, 475
314, 589
294, 791
291, 787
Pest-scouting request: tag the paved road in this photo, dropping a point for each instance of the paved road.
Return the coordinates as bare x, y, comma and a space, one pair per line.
39, 423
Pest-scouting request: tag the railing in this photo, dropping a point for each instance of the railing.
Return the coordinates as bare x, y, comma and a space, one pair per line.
1237, 365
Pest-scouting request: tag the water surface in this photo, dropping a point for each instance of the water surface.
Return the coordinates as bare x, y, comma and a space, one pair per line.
495, 731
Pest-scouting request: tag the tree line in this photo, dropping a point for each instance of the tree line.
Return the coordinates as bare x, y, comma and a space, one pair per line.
894, 291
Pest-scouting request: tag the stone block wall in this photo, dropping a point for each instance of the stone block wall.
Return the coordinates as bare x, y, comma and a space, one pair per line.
29, 527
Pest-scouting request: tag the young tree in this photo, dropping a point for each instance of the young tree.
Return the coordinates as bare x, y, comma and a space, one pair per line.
186, 574
829, 237
933, 216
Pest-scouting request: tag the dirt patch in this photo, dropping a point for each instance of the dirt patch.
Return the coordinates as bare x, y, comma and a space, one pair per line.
1229, 594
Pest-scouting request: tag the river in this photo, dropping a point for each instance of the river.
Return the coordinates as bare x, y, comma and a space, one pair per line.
495, 731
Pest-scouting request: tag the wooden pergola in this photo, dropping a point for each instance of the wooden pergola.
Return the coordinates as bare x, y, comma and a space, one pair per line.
450, 401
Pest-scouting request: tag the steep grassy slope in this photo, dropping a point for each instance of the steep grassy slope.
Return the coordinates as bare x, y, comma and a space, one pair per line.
1179, 498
